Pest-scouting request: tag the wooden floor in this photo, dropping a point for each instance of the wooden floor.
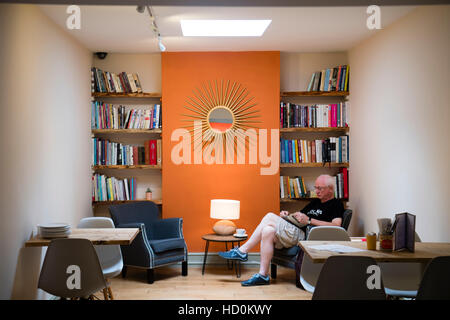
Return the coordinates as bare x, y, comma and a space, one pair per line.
218, 283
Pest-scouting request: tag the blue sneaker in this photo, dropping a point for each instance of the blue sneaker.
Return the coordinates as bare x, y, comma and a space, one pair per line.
256, 280
234, 254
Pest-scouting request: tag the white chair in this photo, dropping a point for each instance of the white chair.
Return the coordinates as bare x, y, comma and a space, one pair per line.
310, 271
110, 256
402, 279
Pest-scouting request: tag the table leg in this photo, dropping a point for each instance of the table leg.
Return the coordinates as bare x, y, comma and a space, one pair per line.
237, 265
229, 262
204, 257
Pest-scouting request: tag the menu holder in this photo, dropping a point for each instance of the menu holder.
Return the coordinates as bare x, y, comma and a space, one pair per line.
404, 231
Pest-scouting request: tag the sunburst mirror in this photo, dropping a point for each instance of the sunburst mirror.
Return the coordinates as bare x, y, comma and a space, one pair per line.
223, 108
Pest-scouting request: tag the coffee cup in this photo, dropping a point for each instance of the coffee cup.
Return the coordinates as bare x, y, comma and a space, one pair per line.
240, 232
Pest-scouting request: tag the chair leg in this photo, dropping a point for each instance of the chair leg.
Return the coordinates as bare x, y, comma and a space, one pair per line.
273, 270
124, 271
184, 269
105, 293
150, 276
111, 297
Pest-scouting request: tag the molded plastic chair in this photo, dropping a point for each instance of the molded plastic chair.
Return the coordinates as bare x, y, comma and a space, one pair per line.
310, 271
110, 256
286, 257
402, 279
435, 284
346, 278
160, 242
64, 260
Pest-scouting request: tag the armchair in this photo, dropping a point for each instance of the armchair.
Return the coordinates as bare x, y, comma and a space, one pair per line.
287, 257
159, 243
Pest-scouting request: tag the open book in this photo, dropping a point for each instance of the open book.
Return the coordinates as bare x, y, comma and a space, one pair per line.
290, 218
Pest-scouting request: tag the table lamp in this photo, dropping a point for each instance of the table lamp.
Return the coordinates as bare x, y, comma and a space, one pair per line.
225, 210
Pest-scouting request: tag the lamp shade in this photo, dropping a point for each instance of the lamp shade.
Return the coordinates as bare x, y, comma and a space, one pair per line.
225, 209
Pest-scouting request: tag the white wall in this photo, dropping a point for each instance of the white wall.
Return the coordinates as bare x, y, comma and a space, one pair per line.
399, 138
44, 141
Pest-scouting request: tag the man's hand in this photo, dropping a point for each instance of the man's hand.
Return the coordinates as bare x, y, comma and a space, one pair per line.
301, 217
284, 213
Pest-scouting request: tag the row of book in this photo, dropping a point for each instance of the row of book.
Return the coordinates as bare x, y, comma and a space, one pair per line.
107, 153
108, 116
316, 116
333, 79
104, 81
295, 188
333, 149
292, 188
111, 189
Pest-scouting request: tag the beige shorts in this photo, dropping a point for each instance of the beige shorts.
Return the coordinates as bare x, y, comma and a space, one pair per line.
288, 235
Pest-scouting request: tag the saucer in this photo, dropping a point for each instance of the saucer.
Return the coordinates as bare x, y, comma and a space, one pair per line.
240, 235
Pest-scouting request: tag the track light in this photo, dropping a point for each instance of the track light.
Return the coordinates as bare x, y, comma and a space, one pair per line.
141, 9
162, 47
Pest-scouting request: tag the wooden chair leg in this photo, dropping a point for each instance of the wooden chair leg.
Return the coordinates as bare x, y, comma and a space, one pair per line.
105, 293
111, 297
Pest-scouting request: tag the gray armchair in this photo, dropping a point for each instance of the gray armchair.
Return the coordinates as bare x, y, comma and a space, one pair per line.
287, 257
159, 243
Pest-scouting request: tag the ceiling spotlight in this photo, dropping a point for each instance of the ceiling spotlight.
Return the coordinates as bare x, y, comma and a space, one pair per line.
162, 47
140, 9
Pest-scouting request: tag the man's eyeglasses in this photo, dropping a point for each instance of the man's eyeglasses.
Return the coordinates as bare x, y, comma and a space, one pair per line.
320, 188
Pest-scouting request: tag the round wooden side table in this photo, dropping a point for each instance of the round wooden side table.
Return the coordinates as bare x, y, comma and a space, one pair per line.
212, 237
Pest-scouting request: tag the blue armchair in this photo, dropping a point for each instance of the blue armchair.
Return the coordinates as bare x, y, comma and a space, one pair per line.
159, 243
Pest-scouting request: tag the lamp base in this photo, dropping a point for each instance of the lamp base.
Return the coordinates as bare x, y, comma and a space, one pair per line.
224, 227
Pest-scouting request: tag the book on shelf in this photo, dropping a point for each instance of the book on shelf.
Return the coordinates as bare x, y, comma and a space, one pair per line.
106, 153
109, 82
332, 149
331, 79
110, 116
112, 189
314, 116
295, 188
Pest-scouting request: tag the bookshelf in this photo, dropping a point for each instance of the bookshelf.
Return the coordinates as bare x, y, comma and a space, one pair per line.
146, 175
298, 131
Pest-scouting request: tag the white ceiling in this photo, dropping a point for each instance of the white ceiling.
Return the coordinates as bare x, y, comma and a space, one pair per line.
122, 29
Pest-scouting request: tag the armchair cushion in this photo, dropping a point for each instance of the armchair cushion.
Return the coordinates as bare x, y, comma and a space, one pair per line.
167, 244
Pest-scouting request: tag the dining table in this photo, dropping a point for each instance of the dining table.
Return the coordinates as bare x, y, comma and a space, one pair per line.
98, 236
424, 251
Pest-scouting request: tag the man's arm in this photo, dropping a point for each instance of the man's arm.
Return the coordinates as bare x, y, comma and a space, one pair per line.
335, 222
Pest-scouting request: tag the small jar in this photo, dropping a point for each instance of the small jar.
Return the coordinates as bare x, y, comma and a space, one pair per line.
385, 242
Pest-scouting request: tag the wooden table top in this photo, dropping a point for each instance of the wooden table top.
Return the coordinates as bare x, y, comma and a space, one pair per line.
103, 236
219, 238
424, 251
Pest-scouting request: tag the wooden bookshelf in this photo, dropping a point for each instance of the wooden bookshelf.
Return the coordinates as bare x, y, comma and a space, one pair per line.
316, 130
314, 165
123, 167
107, 203
126, 95
314, 94
127, 131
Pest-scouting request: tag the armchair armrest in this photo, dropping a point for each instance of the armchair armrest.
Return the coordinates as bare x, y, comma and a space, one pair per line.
165, 228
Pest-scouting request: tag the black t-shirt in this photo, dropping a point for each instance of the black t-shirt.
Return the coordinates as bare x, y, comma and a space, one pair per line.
326, 211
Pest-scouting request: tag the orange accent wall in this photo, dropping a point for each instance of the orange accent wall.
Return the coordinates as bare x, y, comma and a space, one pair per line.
188, 189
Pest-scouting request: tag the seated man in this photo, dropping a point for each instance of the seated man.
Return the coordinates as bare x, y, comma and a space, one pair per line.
275, 232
